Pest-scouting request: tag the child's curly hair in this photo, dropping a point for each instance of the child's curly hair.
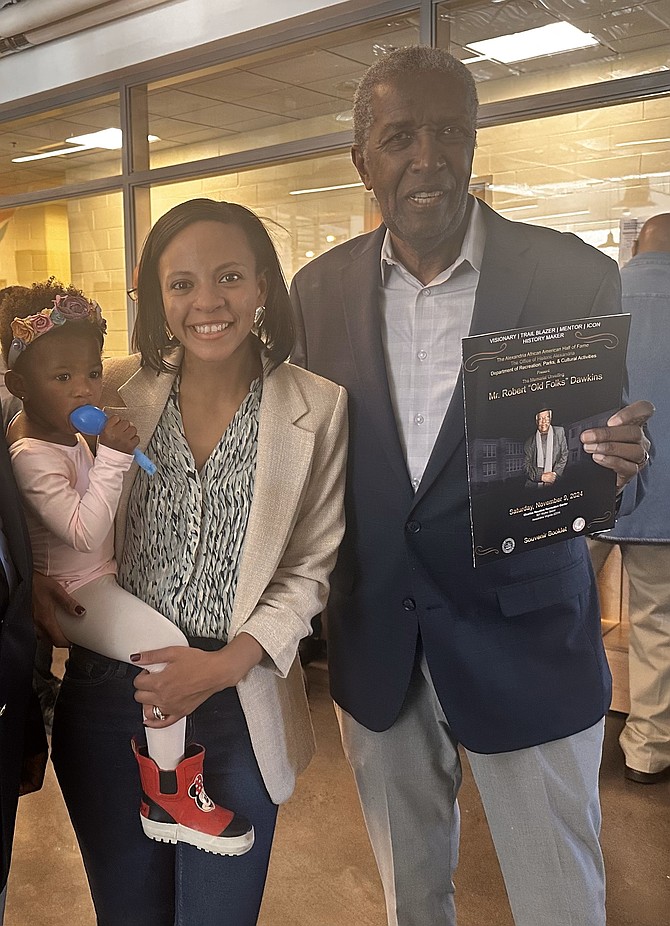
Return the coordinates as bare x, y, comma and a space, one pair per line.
21, 301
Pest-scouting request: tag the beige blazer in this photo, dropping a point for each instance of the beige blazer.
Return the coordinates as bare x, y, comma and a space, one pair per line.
295, 526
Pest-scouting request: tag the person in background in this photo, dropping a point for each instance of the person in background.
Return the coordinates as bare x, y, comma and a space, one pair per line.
426, 653
233, 539
10, 404
46, 684
644, 536
23, 744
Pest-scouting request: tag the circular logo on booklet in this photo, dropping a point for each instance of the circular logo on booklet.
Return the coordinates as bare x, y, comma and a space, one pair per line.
508, 545
578, 525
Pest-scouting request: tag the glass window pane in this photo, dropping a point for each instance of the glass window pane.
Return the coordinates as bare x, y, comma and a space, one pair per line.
71, 144
78, 241
596, 173
302, 91
606, 40
332, 207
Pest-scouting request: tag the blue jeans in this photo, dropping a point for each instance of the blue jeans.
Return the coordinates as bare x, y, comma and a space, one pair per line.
134, 880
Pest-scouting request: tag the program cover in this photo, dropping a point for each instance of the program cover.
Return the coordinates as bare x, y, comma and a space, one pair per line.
529, 394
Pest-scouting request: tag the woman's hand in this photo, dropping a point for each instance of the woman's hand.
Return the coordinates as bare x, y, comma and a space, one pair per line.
190, 676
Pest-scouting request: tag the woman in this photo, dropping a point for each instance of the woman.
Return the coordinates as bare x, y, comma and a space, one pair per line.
233, 539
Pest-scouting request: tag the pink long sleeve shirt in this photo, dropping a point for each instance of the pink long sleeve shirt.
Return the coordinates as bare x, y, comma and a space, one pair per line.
70, 499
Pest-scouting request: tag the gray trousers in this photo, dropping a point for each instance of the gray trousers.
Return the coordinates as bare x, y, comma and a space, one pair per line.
541, 805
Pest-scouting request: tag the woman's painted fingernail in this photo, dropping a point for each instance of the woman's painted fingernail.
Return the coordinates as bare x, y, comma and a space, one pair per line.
135, 656
80, 610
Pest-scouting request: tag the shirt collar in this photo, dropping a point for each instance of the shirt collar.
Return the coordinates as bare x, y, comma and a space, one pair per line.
472, 248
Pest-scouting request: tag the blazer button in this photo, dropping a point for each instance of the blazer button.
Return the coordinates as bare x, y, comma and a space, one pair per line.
409, 604
413, 527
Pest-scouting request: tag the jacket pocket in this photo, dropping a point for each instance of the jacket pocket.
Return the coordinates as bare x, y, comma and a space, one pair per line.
544, 591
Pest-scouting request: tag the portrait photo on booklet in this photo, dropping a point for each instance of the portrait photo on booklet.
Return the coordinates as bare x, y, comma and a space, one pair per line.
529, 394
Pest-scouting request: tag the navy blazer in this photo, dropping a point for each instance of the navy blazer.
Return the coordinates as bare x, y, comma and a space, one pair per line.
514, 648
17, 650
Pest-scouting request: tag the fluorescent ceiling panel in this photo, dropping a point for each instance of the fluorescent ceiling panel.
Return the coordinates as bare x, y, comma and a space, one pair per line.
640, 141
110, 139
324, 189
534, 43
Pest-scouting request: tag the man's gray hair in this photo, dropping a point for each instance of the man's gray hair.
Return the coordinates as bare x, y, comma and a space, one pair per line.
399, 63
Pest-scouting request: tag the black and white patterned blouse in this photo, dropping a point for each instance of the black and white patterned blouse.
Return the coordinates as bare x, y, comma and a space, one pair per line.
185, 528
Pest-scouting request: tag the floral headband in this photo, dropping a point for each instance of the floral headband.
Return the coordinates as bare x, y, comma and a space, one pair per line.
65, 309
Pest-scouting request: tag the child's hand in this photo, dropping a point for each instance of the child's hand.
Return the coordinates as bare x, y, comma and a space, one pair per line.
119, 434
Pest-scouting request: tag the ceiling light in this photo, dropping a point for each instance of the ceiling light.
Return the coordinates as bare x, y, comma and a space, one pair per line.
105, 138
351, 83
642, 141
545, 190
379, 49
534, 43
609, 242
309, 253
109, 139
516, 208
557, 215
49, 154
330, 238
324, 189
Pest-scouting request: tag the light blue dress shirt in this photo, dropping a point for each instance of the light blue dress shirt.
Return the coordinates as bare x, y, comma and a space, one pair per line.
422, 327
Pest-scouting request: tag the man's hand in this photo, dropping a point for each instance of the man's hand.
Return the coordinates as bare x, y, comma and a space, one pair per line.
622, 444
548, 478
47, 594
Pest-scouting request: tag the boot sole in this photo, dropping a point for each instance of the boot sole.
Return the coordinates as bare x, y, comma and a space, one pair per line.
219, 845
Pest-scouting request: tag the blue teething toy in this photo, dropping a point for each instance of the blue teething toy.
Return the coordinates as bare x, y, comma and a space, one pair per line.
91, 420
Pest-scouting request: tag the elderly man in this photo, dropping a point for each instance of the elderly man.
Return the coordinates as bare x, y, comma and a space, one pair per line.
424, 654
545, 452
644, 536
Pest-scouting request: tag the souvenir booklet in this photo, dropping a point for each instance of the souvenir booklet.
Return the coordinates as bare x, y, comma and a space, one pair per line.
529, 393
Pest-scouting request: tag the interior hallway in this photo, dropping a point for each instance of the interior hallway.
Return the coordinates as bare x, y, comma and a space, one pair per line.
323, 873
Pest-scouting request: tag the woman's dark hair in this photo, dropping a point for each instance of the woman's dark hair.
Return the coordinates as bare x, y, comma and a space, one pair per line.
151, 336
21, 301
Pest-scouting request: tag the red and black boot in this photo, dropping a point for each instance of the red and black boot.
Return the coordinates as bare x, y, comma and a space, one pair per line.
175, 807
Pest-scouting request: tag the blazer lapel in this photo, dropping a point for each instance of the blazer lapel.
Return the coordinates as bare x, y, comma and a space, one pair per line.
506, 275
504, 281
285, 451
145, 395
360, 304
